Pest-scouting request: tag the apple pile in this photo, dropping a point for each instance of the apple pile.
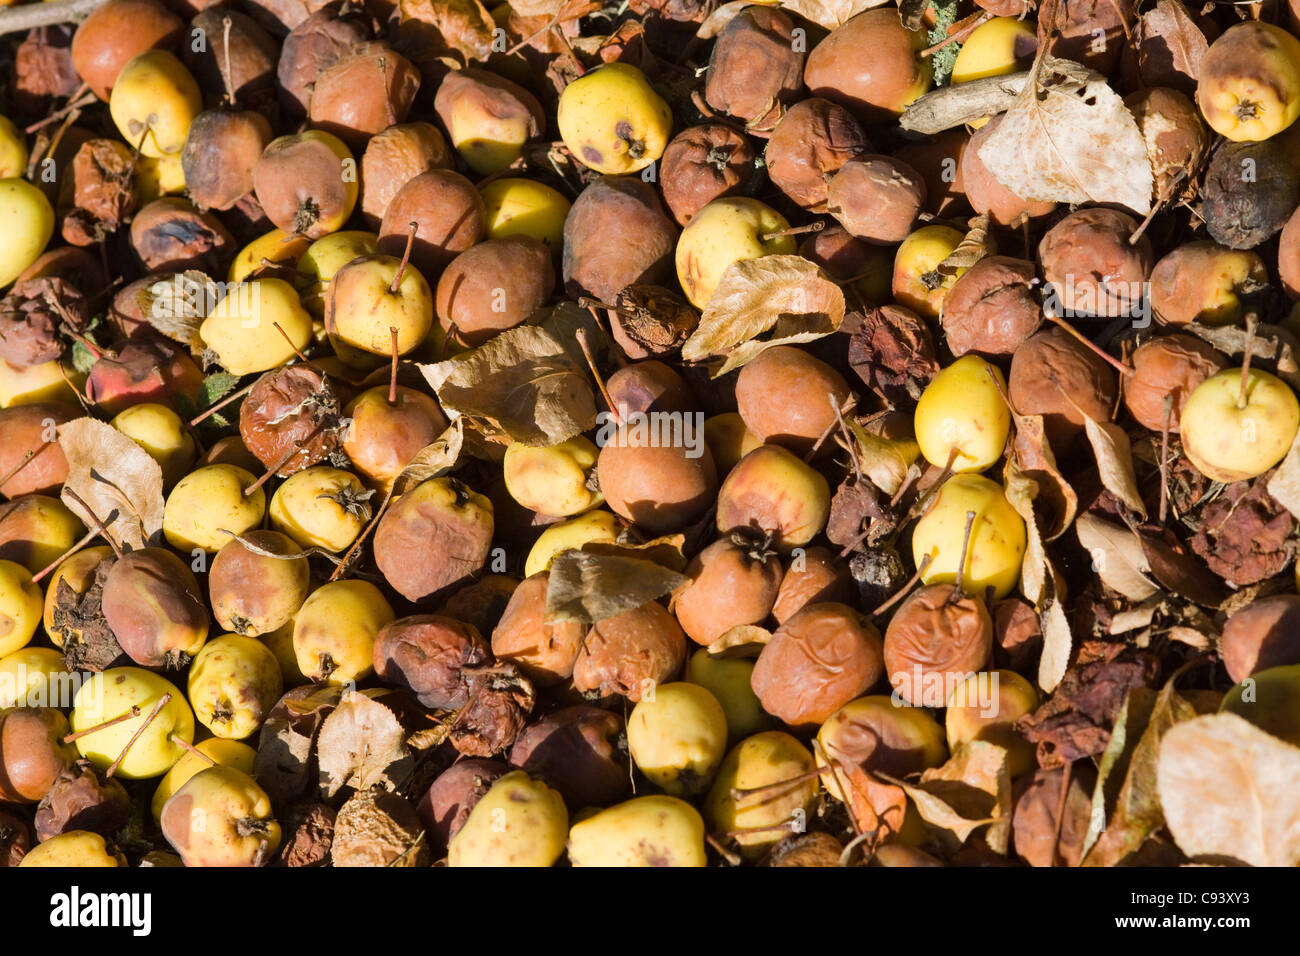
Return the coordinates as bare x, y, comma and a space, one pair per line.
650, 434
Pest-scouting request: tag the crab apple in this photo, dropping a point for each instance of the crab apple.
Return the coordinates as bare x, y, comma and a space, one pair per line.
650, 386
245, 328
32, 676
701, 164
208, 505
78, 570
321, 507
879, 735
822, 657
325, 257
31, 441
772, 492
726, 231
553, 479
48, 382
159, 430
986, 706
276, 247
429, 656
154, 101
488, 117
617, 234
1205, 282
221, 150
75, 848
1248, 86
433, 537
367, 300
368, 89
1236, 426
813, 140
334, 632
765, 760
630, 654
595, 525
814, 576
996, 543
518, 822
678, 737
728, 440
450, 217
256, 593
1168, 367
221, 817
384, 436
394, 157
876, 198
31, 220
582, 752
306, 183
877, 87
37, 529
524, 207
917, 258
493, 286
154, 607
147, 369
613, 121
216, 751
1054, 375
114, 33
32, 752
1269, 699
314, 44
544, 650
653, 830
790, 398
995, 48
733, 581
985, 192
992, 308
937, 636
234, 682
756, 68
938, 160
122, 691
961, 416
658, 486
1092, 265
729, 679
447, 804
21, 607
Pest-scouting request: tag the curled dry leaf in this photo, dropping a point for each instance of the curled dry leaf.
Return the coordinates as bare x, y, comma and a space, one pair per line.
378, 829
1035, 458
1117, 557
361, 745
1035, 567
971, 790
1228, 790
1068, 137
744, 641
434, 460
884, 461
829, 13
454, 32
284, 747
974, 246
786, 298
115, 478
1058, 644
668, 551
1271, 343
1169, 46
522, 383
1114, 454
1134, 812
176, 306
589, 587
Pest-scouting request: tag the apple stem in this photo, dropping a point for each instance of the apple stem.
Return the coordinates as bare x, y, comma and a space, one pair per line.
1164, 458
1090, 344
296, 350
1252, 321
85, 540
742, 793
284, 459
453, 330
406, 257
826, 433
163, 701
392, 376
79, 98
583, 344
1060, 809
835, 767
103, 725
27, 458
85, 340
225, 67
944, 474
959, 31
793, 231
365, 533
232, 397
907, 586
94, 519
732, 858
181, 742
958, 593
849, 443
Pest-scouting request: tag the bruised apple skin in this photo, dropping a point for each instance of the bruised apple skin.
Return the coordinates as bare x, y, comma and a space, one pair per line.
658, 486
544, 650
1249, 84
1169, 367
878, 87
616, 234
701, 164
630, 653
756, 68
433, 537
155, 608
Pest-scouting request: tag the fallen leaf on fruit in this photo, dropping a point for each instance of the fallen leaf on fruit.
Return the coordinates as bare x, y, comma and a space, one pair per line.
1135, 813
1228, 789
876, 807
668, 551
177, 305
786, 298
1181, 45
361, 745
590, 587
1114, 454
88, 642
717, 21
1034, 456
115, 478
975, 245
448, 31
744, 641
1069, 138
1117, 557
969, 791
1021, 490
283, 761
1272, 343
522, 383
433, 460
884, 461
829, 13
564, 321
378, 829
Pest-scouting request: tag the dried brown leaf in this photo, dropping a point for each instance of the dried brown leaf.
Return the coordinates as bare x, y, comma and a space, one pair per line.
884, 461
1058, 645
589, 587
523, 383
361, 745
1114, 456
1068, 137
1228, 789
116, 478
1117, 557
1034, 456
785, 298
971, 790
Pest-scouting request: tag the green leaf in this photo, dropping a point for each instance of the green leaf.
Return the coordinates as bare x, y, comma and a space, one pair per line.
82, 358
216, 387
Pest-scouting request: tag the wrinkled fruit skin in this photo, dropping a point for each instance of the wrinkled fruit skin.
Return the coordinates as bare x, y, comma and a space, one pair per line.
428, 655
629, 653
155, 608
433, 538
